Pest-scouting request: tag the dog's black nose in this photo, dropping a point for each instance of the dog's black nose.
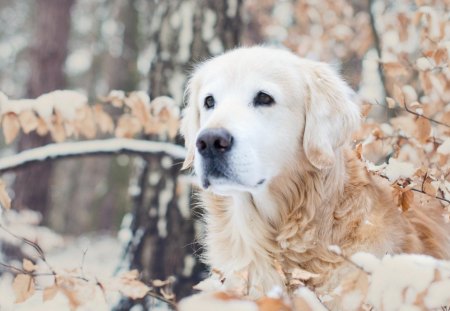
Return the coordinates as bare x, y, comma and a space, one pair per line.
214, 141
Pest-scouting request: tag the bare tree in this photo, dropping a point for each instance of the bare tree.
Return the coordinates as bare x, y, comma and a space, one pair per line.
182, 32
47, 56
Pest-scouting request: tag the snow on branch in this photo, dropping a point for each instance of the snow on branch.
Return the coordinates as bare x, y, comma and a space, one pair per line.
91, 147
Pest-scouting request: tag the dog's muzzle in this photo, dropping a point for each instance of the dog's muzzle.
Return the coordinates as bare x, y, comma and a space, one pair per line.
214, 145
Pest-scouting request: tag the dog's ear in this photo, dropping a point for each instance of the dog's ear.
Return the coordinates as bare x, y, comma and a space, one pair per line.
331, 114
190, 122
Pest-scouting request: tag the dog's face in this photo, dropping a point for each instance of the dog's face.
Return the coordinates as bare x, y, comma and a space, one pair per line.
253, 112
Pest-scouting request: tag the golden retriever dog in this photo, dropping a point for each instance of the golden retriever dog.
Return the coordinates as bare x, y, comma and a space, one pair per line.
268, 136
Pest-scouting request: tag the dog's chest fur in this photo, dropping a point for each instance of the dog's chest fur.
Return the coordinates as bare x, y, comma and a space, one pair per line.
244, 240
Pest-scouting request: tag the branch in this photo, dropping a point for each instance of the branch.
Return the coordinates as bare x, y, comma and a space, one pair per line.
405, 108
436, 197
90, 147
418, 190
425, 117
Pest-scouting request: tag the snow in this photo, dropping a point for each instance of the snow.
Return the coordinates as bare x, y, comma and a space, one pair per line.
208, 302
113, 145
403, 281
24, 224
366, 261
79, 61
310, 298
438, 294
65, 101
424, 63
397, 169
101, 258
232, 8
208, 24
16, 106
3, 99
97, 255
444, 148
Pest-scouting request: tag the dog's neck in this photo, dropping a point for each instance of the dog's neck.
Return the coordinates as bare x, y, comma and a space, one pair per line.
288, 215
302, 189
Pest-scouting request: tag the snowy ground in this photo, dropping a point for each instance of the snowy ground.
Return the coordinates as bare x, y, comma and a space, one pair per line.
101, 257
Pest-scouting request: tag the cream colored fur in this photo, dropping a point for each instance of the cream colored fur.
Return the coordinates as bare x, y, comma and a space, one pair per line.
316, 192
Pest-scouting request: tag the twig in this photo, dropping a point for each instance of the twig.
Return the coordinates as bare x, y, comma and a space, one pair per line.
82, 261
33, 274
160, 297
413, 112
28, 242
425, 117
436, 197
420, 191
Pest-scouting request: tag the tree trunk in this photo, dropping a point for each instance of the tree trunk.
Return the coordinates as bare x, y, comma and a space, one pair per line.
163, 243
96, 197
47, 55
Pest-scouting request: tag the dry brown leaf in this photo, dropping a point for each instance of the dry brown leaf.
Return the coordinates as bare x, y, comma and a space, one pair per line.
390, 102
85, 122
58, 132
425, 81
365, 109
172, 127
23, 287
398, 95
28, 265
159, 283
71, 295
154, 126
301, 304
272, 304
130, 275
225, 296
28, 121
42, 128
133, 289
115, 97
404, 123
440, 55
11, 127
394, 69
423, 130
168, 294
407, 200
50, 293
104, 120
429, 188
127, 126
5, 200
139, 107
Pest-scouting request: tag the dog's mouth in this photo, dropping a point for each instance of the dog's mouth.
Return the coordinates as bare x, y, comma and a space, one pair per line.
225, 181
218, 176
208, 181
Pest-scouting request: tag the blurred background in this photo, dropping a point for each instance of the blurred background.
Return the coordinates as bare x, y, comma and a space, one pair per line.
94, 46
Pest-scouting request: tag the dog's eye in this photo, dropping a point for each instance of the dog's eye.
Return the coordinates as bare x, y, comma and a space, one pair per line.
263, 99
209, 102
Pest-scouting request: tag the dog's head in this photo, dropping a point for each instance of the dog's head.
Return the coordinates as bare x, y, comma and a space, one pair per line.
252, 112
